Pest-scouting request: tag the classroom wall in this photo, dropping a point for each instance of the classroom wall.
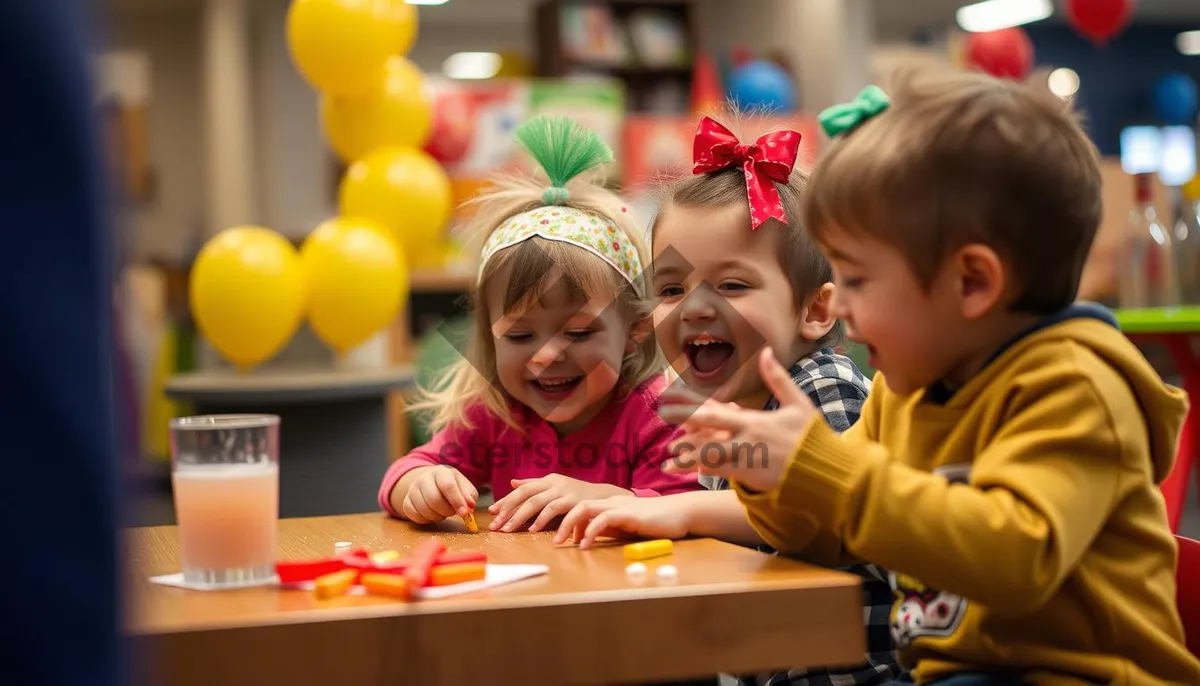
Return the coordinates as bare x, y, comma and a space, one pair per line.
175, 129
1115, 80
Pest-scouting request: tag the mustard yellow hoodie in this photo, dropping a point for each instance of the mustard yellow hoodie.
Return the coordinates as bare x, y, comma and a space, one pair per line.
1021, 518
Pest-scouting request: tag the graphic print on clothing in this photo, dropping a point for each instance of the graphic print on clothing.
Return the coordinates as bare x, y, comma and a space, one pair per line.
920, 611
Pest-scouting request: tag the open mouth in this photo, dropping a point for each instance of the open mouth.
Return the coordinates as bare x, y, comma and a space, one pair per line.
709, 356
559, 387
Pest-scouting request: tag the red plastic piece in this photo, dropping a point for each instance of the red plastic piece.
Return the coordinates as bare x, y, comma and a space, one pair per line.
421, 563
446, 558
310, 570
295, 572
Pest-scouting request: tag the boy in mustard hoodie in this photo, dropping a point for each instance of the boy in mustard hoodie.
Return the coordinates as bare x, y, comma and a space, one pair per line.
1006, 464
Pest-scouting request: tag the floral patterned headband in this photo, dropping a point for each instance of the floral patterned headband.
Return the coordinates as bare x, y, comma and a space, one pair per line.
594, 234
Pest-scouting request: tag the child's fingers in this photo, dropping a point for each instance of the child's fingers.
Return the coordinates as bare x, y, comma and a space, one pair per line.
468, 488
451, 491
778, 380
515, 500
578, 517
613, 523
528, 509
517, 495
420, 510
555, 508
434, 500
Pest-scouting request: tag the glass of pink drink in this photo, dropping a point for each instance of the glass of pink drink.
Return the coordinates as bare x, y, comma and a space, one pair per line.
225, 474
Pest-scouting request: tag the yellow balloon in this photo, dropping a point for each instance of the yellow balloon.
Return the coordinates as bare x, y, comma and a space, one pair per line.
247, 293
403, 189
398, 113
341, 46
357, 281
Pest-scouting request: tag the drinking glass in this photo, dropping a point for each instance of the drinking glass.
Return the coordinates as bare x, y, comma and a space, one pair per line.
225, 473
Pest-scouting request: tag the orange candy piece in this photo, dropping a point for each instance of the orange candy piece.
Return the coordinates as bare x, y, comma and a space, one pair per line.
448, 575
393, 585
335, 584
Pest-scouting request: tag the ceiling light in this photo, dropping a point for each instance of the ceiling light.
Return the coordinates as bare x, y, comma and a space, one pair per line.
471, 65
993, 15
1063, 82
1188, 42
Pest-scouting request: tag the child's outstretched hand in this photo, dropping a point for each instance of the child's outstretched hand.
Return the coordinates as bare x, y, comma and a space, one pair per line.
547, 497
755, 445
437, 493
662, 517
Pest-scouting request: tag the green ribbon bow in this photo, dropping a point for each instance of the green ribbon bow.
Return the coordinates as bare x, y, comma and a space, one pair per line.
845, 117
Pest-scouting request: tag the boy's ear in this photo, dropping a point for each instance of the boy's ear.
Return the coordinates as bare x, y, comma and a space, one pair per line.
638, 335
817, 318
981, 279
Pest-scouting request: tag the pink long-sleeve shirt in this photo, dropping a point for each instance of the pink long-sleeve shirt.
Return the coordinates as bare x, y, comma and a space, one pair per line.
625, 445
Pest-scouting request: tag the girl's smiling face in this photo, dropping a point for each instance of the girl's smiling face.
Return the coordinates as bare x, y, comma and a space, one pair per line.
722, 295
560, 354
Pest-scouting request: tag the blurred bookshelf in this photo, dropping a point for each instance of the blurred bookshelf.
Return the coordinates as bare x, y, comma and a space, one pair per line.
647, 45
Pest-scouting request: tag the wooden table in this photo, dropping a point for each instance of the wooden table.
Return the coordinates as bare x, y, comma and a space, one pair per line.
731, 609
333, 434
1174, 327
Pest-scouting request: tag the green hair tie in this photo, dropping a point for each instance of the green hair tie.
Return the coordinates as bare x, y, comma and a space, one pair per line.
563, 148
556, 195
846, 117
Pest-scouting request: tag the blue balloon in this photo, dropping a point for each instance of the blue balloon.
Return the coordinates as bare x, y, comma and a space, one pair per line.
762, 85
1176, 99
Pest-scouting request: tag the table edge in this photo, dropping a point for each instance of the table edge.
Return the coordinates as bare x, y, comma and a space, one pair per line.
829, 579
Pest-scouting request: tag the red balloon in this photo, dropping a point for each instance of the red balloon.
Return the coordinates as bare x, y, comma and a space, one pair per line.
1099, 19
453, 127
1005, 54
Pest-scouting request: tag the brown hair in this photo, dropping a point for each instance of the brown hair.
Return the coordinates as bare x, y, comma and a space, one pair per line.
959, 158
524, 272
805, 265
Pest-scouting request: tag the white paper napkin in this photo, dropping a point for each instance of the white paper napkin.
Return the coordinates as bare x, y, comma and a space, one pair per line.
177, 581
497, 575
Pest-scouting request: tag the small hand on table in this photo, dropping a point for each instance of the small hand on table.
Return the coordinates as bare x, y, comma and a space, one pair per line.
546, 497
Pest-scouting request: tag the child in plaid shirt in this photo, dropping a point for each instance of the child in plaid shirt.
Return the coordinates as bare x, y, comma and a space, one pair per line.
733, 277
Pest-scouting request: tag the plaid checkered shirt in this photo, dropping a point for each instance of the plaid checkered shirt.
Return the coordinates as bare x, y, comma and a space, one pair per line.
838, 389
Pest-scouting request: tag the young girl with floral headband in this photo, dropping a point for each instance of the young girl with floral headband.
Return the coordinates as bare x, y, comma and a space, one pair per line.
555, 399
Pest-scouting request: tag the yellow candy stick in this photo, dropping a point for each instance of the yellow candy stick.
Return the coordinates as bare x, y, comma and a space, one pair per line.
646, 550
335, 584
394, 585
448, 575
469, 520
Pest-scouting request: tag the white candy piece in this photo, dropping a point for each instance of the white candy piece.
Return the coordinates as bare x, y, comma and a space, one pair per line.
666, 572
636, 569
341, 548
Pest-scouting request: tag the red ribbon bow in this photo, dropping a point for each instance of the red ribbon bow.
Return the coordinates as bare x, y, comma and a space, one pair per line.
770, 159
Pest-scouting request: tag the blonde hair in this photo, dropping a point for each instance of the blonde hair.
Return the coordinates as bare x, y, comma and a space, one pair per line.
525, 271
805, 265
959, 158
